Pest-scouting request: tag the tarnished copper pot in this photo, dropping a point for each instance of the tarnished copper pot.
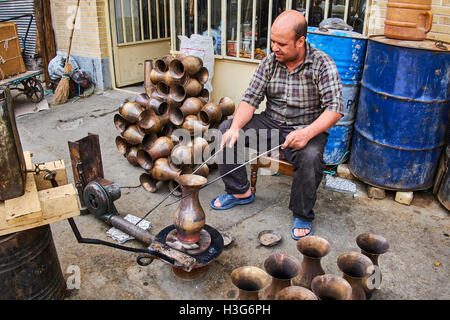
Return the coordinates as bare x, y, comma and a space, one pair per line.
181, 155
133, 134
174, 115
122, 145
200, 148
191, 105
210, 113
160, 148
295, 293
176, 69
143, 100
148, 182
144, 160
204, 96
148, 141
173, 185
120, 123
227, 106
130, 111
313, 249
355, 267
282, 268
192, 87
161, 91
331, 287
250, 281
193, 125
158, 105
189, 218
164, 171
150, 122
131, 155
372, 246
202, 75
191, 64
162, 64
176, 96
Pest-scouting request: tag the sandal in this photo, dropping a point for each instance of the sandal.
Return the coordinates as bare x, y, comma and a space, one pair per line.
228, 201
301, 224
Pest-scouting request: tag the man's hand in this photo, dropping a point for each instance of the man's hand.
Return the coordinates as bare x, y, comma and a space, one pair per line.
230, 137
297, 139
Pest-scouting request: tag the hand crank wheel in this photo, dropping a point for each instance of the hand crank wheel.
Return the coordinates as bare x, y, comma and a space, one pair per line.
33, 89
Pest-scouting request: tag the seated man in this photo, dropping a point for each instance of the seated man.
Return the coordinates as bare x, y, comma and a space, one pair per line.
304, 100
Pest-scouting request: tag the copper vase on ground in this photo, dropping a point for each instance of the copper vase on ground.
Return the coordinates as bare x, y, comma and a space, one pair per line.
355, 267
250, 281
331, 287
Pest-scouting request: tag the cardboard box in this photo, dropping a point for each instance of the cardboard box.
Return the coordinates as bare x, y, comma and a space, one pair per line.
11, 60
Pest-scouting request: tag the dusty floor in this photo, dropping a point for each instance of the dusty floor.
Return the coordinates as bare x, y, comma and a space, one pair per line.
418, 234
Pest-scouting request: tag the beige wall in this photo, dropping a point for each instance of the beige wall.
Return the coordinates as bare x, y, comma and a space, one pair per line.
90, 35
441, 19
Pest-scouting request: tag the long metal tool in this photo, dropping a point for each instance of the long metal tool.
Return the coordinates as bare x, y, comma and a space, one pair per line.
225, 174
178, 186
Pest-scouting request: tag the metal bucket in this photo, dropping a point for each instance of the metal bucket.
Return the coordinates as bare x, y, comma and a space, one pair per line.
29, 266
402, 114
12, 162
348, 50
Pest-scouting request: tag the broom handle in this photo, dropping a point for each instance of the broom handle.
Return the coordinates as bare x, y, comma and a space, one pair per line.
71, 33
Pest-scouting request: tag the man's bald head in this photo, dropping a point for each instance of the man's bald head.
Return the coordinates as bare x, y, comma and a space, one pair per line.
293, 20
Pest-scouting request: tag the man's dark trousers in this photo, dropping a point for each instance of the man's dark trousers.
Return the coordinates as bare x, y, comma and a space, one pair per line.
308, 164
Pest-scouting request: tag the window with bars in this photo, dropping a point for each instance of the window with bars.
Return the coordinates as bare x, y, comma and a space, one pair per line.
141, 20
244, 25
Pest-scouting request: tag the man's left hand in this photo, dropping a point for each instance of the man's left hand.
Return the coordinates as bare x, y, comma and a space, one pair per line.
297, 139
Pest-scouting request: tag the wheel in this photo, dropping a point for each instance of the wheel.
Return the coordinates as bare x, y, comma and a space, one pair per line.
33, 89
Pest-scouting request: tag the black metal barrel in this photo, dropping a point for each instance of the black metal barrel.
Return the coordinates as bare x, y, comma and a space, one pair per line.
29, 266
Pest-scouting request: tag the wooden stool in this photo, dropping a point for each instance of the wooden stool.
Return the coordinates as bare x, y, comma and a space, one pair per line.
284, 168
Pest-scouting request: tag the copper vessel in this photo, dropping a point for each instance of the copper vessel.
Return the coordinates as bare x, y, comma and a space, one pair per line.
158, 105
202, 75
191, 64
193, 125
331, 287
130, 111
144, 160
181, 155
204, 96
355, 267
148, 141
200, 147
167, 130
122, 145
176, 69
143, 100
189, 218
282, 268
227, 106
161, 148
176, 96
372, 246
150, 122
192, 87
162, 64
163, 170
148, 182
134, 134
161, 91
173, 185
203, 171
191, 105
174, 115
250, 281
148, 85
120, 123
210, 113
313, 249
131, 155
295, 293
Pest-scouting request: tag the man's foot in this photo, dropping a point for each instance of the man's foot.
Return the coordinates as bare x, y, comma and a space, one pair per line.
238, 196
301, 228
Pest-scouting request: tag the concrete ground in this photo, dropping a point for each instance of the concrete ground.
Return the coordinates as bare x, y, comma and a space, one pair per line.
416, 266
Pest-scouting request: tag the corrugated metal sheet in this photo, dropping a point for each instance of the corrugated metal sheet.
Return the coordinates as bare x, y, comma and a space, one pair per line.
9, 9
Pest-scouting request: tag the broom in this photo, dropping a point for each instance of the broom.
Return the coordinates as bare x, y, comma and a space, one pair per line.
62, 90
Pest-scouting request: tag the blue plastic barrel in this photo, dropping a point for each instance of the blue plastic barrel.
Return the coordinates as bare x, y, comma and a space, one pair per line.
403, 112
348, 50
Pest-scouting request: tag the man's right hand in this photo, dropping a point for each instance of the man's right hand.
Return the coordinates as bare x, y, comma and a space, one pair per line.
230, 137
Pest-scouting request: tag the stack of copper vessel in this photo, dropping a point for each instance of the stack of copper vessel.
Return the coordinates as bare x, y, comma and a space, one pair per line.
174, 98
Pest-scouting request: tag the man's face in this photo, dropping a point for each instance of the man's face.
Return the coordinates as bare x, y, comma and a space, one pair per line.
284, 45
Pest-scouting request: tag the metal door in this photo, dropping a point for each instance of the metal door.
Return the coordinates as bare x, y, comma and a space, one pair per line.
140, 30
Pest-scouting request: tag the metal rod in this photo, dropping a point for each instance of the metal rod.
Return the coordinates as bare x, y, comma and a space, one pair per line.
183, 17
209, 16
269, 25
150, 31
220, 177
347, 4
124, 33
223, 50
327, 4
165, 18
252, 46
141, 20
308, 5
195, 17
238, 29
132, 20
176, 188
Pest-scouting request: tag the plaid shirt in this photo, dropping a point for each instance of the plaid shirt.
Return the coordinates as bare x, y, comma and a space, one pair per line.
299, 97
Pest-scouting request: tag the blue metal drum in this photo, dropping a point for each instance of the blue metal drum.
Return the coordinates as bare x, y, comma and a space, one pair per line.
348, 50
403, 112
